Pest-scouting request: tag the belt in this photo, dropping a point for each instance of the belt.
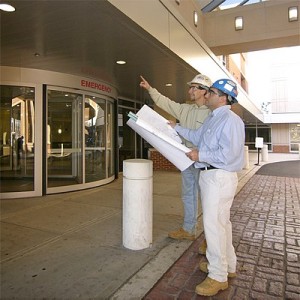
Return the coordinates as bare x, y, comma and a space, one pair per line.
208, 168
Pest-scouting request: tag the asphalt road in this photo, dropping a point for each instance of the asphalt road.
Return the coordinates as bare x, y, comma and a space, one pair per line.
281, 169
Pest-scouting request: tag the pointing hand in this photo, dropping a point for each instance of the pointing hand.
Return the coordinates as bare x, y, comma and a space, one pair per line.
144, 83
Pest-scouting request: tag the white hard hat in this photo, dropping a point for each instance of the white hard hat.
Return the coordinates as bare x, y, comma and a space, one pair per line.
202, 80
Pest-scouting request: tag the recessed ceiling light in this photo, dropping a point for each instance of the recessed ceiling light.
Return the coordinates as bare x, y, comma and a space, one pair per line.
7, 7
121, 62
168, 84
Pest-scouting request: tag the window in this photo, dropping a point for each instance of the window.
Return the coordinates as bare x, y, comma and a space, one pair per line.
252, 132
17, 138
294, 137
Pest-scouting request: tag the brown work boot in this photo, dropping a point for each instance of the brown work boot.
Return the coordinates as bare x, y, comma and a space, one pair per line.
204, 269
181, 234
202, 248
210, 287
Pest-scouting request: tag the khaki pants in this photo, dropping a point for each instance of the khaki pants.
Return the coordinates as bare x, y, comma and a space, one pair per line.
217, 188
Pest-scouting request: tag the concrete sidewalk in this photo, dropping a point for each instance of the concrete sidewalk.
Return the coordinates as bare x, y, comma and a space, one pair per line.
69, 246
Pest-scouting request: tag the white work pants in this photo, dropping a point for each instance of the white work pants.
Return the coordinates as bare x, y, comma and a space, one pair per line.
217, 188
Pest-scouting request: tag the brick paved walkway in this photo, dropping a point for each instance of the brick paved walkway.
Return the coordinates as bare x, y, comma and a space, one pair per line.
266, 233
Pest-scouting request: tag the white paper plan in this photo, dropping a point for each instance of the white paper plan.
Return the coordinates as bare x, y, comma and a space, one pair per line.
155, 129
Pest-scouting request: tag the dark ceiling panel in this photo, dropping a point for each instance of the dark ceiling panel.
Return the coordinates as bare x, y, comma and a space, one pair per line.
87, 38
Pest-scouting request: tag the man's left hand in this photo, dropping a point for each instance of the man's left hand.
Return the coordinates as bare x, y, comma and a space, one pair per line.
193, 155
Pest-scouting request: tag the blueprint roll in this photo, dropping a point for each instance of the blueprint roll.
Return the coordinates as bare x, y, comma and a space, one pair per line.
137, 203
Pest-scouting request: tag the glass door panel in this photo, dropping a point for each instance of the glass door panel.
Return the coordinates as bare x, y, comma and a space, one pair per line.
17, 139
110, 140
95, 138
64, 138
127, 146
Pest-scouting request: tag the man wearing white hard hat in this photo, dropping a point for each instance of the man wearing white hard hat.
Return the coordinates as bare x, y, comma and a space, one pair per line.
191, 116
219, 156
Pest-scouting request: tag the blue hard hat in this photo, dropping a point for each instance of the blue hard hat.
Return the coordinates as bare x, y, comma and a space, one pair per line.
228, 87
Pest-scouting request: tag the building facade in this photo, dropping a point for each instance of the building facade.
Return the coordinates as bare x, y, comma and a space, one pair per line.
67, 87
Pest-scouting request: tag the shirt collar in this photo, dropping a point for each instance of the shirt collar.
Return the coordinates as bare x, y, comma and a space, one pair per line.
220, 109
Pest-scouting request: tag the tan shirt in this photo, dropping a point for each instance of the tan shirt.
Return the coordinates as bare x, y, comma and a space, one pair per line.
189, 115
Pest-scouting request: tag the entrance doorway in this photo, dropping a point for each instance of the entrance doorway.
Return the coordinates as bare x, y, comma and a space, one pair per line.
64, 138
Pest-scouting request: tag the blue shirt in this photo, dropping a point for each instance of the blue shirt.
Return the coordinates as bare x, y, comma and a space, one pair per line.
220, 140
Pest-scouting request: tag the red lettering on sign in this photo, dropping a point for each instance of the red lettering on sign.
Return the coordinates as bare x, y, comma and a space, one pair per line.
95, 85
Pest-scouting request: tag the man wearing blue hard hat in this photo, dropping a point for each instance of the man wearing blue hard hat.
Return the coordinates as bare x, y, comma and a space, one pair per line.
219, 156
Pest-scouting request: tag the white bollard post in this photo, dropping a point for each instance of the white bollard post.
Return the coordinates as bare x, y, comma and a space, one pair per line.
246, 157
264, 153
137, 203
